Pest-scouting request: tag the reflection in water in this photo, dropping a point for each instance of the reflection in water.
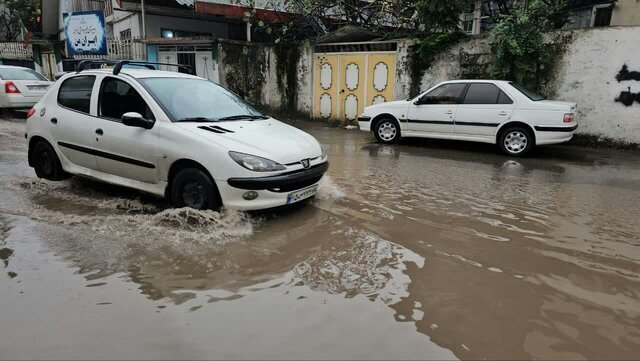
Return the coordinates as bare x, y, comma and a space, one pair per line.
367, 266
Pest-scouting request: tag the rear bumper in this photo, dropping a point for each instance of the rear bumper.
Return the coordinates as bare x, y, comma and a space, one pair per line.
554, 134
282, 182
18, 101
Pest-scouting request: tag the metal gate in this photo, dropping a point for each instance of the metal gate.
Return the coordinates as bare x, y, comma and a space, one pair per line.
346, 82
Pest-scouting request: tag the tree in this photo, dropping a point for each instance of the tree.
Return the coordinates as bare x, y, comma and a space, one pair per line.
12, 12
518, 44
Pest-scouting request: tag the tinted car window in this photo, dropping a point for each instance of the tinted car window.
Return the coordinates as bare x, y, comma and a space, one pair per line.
527, 92
504, 98
20, 74
118, 97
482, 93
444, 94
75, 93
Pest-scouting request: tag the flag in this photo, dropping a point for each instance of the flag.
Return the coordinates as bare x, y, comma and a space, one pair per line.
25, 35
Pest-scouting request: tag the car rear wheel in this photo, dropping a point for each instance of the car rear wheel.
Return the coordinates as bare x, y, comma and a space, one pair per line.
46, 162
193, 188
516, 141
387, 131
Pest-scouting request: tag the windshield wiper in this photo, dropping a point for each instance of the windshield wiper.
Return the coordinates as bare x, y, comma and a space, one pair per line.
197, 119
245, 116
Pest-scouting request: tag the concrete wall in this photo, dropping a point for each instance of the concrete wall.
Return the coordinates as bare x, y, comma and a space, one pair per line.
585, 74
588, 76
250, 69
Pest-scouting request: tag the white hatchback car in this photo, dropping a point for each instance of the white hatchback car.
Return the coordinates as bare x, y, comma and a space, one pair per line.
489, 111
21, 87
172, 135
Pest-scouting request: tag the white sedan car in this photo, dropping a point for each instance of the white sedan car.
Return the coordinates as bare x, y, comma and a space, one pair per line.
173, 135
21, 87
489, 111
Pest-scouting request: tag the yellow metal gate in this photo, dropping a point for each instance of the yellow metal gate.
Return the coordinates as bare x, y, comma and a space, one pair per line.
345, 83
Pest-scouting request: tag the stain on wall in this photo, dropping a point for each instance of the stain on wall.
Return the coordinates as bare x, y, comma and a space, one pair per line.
627, 97
625, 74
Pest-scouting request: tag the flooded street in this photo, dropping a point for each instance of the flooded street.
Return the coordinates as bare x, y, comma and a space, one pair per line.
423, 250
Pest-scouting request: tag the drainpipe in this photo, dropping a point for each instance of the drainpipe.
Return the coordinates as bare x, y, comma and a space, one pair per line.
248, 31
144, 24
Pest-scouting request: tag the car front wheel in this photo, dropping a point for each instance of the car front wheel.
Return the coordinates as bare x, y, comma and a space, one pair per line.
516, 141
193, 188
387, 131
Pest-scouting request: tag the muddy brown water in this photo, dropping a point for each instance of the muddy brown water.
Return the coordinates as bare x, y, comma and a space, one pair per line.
423, 250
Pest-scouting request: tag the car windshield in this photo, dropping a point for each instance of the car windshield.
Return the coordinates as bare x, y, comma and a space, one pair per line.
195, 100
20, 74
529, 93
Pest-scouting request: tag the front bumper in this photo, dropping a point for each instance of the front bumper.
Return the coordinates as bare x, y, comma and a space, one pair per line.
282, 182
364, 122
273, 191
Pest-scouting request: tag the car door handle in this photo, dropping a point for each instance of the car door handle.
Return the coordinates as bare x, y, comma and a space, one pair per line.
54, 120
449, 112
99, 131
502, 113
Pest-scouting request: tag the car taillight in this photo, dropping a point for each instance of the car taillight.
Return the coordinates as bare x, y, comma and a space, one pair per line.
568, 118
11, 88
31, 112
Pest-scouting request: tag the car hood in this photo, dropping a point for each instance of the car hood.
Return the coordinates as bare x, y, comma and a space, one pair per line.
393, 104
269, 138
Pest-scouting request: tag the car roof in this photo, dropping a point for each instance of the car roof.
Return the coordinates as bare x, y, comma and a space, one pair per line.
142, 73
13, 67
477, 81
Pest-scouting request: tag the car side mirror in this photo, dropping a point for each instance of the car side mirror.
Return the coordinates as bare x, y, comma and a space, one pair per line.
133, 119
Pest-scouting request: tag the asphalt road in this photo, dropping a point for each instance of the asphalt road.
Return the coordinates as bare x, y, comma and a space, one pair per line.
419, 250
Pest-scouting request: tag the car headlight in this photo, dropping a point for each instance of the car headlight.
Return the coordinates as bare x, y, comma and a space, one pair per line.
255, 163
324, 153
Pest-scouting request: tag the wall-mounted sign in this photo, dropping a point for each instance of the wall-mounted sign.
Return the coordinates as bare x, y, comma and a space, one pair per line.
85, 32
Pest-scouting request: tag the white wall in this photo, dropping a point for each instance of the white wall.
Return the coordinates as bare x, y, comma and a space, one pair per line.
588, 77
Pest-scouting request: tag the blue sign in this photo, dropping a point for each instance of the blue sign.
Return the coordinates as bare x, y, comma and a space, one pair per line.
86, 33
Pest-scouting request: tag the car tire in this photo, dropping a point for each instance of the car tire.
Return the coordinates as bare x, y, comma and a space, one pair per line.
193, 188
516, 141
46, 162
387, 131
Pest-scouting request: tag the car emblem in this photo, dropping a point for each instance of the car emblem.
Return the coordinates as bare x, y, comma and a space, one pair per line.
43, 112
305, 163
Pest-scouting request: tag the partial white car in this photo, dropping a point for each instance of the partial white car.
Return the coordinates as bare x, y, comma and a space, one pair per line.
21, 87
488, 111
173, 135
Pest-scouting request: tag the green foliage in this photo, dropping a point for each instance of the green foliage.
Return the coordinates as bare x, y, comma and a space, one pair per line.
520, 52
12, 11
442, 16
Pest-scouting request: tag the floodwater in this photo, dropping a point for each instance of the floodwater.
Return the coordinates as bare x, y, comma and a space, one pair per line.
423, 250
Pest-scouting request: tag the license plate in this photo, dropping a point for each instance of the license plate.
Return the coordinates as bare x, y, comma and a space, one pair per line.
302, 194
37, 87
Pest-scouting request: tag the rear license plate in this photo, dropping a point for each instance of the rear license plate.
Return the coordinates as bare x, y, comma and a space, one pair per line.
302, 194
37, 87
